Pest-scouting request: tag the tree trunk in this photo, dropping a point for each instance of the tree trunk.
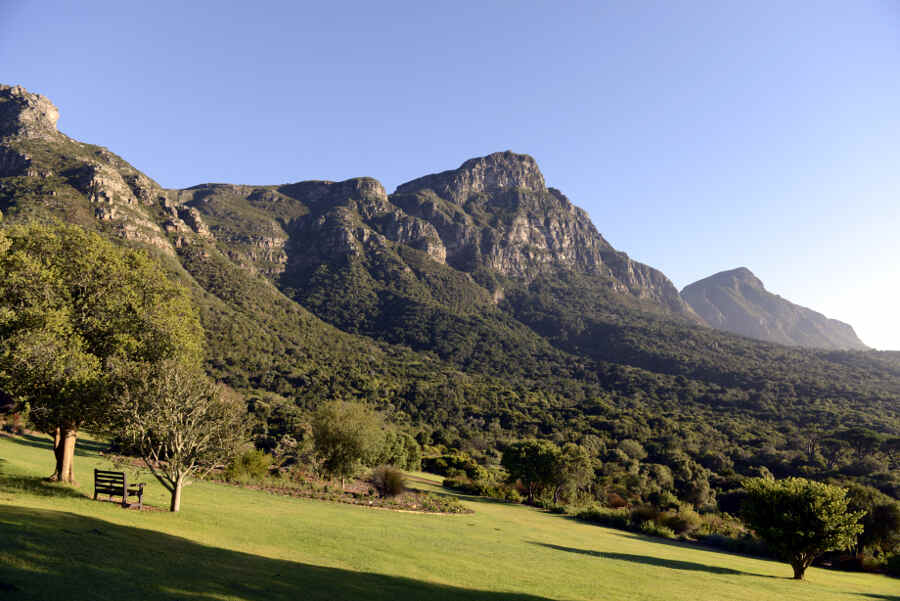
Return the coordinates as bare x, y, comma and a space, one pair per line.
58, 454
176, 494
64, 452
799, 566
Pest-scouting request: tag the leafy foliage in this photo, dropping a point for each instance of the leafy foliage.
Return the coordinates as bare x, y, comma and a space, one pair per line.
800, 519
72, 303
347, 435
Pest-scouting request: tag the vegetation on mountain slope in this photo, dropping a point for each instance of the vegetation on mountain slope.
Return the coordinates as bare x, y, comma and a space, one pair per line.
475, 308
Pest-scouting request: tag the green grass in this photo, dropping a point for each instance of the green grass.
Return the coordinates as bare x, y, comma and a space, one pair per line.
231, 543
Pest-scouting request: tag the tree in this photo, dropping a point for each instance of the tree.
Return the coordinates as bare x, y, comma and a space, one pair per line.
800, 519
400, 450
881, 517
575, 469
180, 422
534, 462
862, 440
347, 435
70, 303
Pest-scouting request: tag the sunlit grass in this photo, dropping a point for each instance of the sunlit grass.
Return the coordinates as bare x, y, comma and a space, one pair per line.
232, 543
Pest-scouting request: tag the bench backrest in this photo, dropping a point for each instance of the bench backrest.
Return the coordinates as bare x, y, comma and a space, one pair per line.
111, 483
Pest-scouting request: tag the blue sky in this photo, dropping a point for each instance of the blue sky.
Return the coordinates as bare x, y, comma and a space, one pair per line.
700, 136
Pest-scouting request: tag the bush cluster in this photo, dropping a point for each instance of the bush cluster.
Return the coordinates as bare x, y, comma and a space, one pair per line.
481, 488
388, 481
249, 467
646, 519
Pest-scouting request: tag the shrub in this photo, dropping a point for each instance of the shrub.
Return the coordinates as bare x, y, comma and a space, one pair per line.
723, 525
684, 521
250, 466
892, 566
388, 481
616, 501
493, 490
461, 462
644, 513
654, 529
604, 516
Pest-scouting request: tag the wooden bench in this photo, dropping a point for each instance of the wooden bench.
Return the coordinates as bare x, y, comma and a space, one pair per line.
115, 483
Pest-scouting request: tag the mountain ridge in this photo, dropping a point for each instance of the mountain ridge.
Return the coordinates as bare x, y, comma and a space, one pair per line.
737, 301
476, 307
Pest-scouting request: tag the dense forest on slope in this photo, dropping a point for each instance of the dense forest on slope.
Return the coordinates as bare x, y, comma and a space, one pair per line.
475, 307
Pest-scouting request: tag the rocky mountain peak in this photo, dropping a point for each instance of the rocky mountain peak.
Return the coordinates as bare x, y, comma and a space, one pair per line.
737, 301
364, 187
735, 277
483, 175
26, 114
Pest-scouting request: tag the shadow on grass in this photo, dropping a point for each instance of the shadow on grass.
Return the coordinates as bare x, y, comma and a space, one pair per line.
673, 564
34, 485
51, 554
440, 491
882, 597
83, 448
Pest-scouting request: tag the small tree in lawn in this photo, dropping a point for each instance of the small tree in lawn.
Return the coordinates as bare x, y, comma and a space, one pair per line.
182, 423
800, 519
347, 435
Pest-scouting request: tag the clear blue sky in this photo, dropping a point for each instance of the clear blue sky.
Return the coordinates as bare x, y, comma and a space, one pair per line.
700, 136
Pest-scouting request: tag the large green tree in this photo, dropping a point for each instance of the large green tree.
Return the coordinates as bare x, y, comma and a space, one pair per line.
71, 303
346, 436
535, 463
800, 519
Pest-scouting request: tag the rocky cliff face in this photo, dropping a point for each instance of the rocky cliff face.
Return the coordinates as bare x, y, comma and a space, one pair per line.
496, 212
25, 114
40, 166
493, 214
737, 301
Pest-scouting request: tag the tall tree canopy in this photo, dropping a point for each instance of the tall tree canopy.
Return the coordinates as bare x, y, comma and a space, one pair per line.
71, 304
800, 519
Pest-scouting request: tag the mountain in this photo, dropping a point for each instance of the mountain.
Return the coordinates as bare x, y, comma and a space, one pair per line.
475, 306
736, 301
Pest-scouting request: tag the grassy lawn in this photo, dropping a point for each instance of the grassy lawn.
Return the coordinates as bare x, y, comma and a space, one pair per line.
230, 543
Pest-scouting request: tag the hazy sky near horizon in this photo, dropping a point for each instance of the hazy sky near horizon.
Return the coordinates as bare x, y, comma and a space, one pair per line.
700, 136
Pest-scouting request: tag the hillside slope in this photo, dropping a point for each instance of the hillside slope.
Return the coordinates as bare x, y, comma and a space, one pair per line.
477, 305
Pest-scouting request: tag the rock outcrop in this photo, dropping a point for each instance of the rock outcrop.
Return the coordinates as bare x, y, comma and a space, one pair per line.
496, 212
484, 175
25, 114
737, 301
46, 160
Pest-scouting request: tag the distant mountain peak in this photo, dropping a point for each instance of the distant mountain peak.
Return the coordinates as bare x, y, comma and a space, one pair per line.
497, 171
740, 275
26, 114
737, 301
